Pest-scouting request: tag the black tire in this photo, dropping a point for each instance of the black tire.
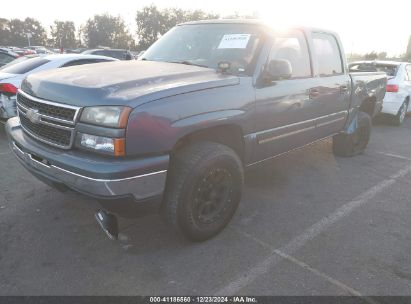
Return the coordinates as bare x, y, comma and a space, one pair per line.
203, 178
398, 119
347, 145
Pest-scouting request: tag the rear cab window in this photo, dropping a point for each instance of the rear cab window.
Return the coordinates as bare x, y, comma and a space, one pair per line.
328, 55
25, 66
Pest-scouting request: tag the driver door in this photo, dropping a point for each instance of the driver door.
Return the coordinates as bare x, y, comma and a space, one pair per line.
285, 109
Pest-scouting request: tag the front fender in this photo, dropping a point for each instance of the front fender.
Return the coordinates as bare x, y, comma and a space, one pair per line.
155, 127
156, 134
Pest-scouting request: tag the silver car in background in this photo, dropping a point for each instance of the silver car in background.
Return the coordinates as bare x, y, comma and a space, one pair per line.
12, 75
398, 95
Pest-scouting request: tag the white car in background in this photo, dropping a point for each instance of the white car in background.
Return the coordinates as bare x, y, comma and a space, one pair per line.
12, 75
398, 96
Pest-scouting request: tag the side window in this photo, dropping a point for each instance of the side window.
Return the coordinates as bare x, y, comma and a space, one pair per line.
83, 61
117, 54
292, 46
76, 62
328, 54
128, 56
5, 58
26, 66
100, 53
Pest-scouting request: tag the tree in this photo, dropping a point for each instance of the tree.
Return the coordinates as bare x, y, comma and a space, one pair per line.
153, 23
18, 30
63, 34
382, 55
150, 26
106, 30
371, 56
4, 31
236, 15
187, 16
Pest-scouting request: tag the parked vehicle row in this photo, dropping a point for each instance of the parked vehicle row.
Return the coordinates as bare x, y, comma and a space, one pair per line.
28, 50
120, 54
12, 75
180, 125
115, 53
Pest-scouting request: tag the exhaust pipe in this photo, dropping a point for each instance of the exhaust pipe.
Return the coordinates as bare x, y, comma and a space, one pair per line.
108, 222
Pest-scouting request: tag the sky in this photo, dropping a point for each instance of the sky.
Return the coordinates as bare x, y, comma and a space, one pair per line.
363, 25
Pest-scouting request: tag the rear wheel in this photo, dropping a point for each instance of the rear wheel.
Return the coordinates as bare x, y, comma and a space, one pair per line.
203, 189
352, 144
398, 120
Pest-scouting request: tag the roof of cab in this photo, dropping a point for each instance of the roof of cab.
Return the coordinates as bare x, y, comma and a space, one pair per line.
224, 21
256, 22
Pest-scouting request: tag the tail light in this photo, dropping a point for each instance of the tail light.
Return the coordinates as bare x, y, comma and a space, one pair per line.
8, 88
392, 88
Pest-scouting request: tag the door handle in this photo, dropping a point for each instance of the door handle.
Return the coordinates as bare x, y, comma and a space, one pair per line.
313, 93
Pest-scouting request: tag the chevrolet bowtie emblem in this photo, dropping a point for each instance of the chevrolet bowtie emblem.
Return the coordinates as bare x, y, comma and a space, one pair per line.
33, 115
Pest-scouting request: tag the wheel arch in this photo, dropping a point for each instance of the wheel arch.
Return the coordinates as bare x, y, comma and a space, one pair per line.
230, 135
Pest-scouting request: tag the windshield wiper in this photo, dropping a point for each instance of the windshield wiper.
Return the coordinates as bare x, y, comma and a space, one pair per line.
189, 63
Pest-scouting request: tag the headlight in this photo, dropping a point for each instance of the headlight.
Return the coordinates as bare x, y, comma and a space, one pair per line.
106, 145
106, 116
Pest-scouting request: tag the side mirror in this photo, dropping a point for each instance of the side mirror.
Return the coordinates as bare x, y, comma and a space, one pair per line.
277, 69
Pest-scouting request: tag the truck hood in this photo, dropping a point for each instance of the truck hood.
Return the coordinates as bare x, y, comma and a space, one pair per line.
122, 83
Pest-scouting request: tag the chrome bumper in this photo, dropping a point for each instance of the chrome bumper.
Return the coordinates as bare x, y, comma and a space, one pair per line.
140, 187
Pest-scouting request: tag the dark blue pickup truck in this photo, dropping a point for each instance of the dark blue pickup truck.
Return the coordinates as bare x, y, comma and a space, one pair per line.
180, 125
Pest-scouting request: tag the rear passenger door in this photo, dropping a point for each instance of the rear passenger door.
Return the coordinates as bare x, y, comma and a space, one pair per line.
332, 90
285, 114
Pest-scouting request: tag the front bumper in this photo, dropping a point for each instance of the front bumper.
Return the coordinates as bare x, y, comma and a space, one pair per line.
98, 177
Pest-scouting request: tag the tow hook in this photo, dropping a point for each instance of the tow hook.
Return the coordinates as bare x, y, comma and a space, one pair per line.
108, 222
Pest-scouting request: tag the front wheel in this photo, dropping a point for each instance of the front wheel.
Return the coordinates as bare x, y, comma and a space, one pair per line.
203, 190
352, 144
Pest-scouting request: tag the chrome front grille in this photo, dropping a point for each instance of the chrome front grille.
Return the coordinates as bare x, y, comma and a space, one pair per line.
46, 121
57, 136
47, 109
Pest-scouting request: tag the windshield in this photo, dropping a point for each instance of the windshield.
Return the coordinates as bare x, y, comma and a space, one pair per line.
25, 66
209, 44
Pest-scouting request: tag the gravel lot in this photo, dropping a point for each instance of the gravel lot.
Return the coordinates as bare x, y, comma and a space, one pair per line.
308, 224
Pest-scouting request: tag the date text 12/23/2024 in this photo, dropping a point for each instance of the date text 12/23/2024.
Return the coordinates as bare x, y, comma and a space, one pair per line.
199, 299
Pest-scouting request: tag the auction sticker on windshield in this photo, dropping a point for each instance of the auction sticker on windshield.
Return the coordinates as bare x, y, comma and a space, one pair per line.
234, 41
